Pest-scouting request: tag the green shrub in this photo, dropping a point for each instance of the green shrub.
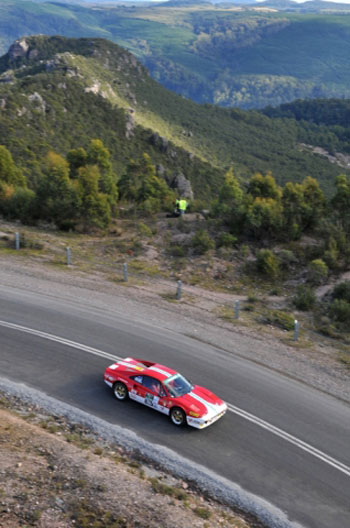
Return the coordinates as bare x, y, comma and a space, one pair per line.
165, 489
201, 512
342, 291
21, 205
304, 298
287, 259
202, 242
281, 319
267, 263
226, 240
244, 251
144, 230
318, 271
252, 299
176, 250
331, 255
340, 311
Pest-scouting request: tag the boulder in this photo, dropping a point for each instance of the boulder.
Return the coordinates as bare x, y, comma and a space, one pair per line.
182, 186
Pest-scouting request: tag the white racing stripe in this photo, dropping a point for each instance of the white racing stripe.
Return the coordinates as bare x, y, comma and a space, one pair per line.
236, 410
207, 404
160, 371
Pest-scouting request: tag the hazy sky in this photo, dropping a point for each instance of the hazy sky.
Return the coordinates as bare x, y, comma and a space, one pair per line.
336, 1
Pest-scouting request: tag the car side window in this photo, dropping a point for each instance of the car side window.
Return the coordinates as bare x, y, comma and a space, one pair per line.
139, 379
151, 383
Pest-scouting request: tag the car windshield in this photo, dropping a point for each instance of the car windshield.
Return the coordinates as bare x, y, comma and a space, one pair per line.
177, 385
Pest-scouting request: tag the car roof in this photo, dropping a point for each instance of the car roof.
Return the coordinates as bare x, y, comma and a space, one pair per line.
160, 372
145, 368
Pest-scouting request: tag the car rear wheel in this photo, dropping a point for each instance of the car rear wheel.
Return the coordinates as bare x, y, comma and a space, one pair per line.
177, 416
120, 391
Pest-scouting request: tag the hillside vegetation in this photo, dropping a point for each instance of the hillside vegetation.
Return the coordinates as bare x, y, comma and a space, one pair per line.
246, 56
59, 94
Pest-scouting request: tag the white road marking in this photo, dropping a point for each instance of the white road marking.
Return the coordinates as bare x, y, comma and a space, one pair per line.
236, 410
291, 439
61, 340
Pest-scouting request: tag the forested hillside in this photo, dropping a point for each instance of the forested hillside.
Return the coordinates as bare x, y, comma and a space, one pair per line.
323, 122
246, 56
59, 93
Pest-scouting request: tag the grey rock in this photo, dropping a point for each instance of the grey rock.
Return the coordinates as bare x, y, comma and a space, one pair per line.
182, 185
18, 49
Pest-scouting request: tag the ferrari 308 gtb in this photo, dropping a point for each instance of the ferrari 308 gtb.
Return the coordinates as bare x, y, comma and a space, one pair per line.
165, 390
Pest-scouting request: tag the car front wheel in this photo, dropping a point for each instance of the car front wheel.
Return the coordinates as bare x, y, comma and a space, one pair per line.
177, 416
120, 391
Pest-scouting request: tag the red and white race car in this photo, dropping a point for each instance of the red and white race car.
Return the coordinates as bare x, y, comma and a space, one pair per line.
164, 390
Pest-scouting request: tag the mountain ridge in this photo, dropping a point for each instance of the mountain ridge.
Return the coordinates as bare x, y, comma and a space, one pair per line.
94, 88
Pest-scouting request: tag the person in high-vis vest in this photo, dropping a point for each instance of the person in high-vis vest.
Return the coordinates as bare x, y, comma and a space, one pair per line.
182, 206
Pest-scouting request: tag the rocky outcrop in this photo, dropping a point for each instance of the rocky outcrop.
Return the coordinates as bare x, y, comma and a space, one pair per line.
159, 141
182, 186
37, 100
129, 126
19, 49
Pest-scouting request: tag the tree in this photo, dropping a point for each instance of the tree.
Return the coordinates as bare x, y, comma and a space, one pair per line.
99, 155
315, 202
303, 206
293, 209
341, 201
22, 205
229, 205
95, 210
76, 158
57, 197
9, 173
129, 183
264, 187
141, 184
264, 217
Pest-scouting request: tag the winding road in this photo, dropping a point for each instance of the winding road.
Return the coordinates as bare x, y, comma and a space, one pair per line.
281, 440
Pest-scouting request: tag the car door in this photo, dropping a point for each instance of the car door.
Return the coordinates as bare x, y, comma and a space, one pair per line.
150, 392
137, 391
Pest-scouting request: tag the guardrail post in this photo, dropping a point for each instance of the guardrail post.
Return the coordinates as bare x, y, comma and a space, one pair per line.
68, 256
17, 242
125, 272
237, 308
296, 330
178, 290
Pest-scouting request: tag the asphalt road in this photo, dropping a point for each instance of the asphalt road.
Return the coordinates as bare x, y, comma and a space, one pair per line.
312, 488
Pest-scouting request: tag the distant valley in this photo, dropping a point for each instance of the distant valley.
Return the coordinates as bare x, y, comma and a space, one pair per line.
248, 56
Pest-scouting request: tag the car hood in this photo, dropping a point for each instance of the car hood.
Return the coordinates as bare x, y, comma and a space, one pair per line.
202, 401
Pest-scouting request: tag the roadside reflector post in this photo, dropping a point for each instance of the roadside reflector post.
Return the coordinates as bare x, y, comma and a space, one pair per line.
296, 330
237, 308
17, 242
68, 256
178, 290
125, 272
